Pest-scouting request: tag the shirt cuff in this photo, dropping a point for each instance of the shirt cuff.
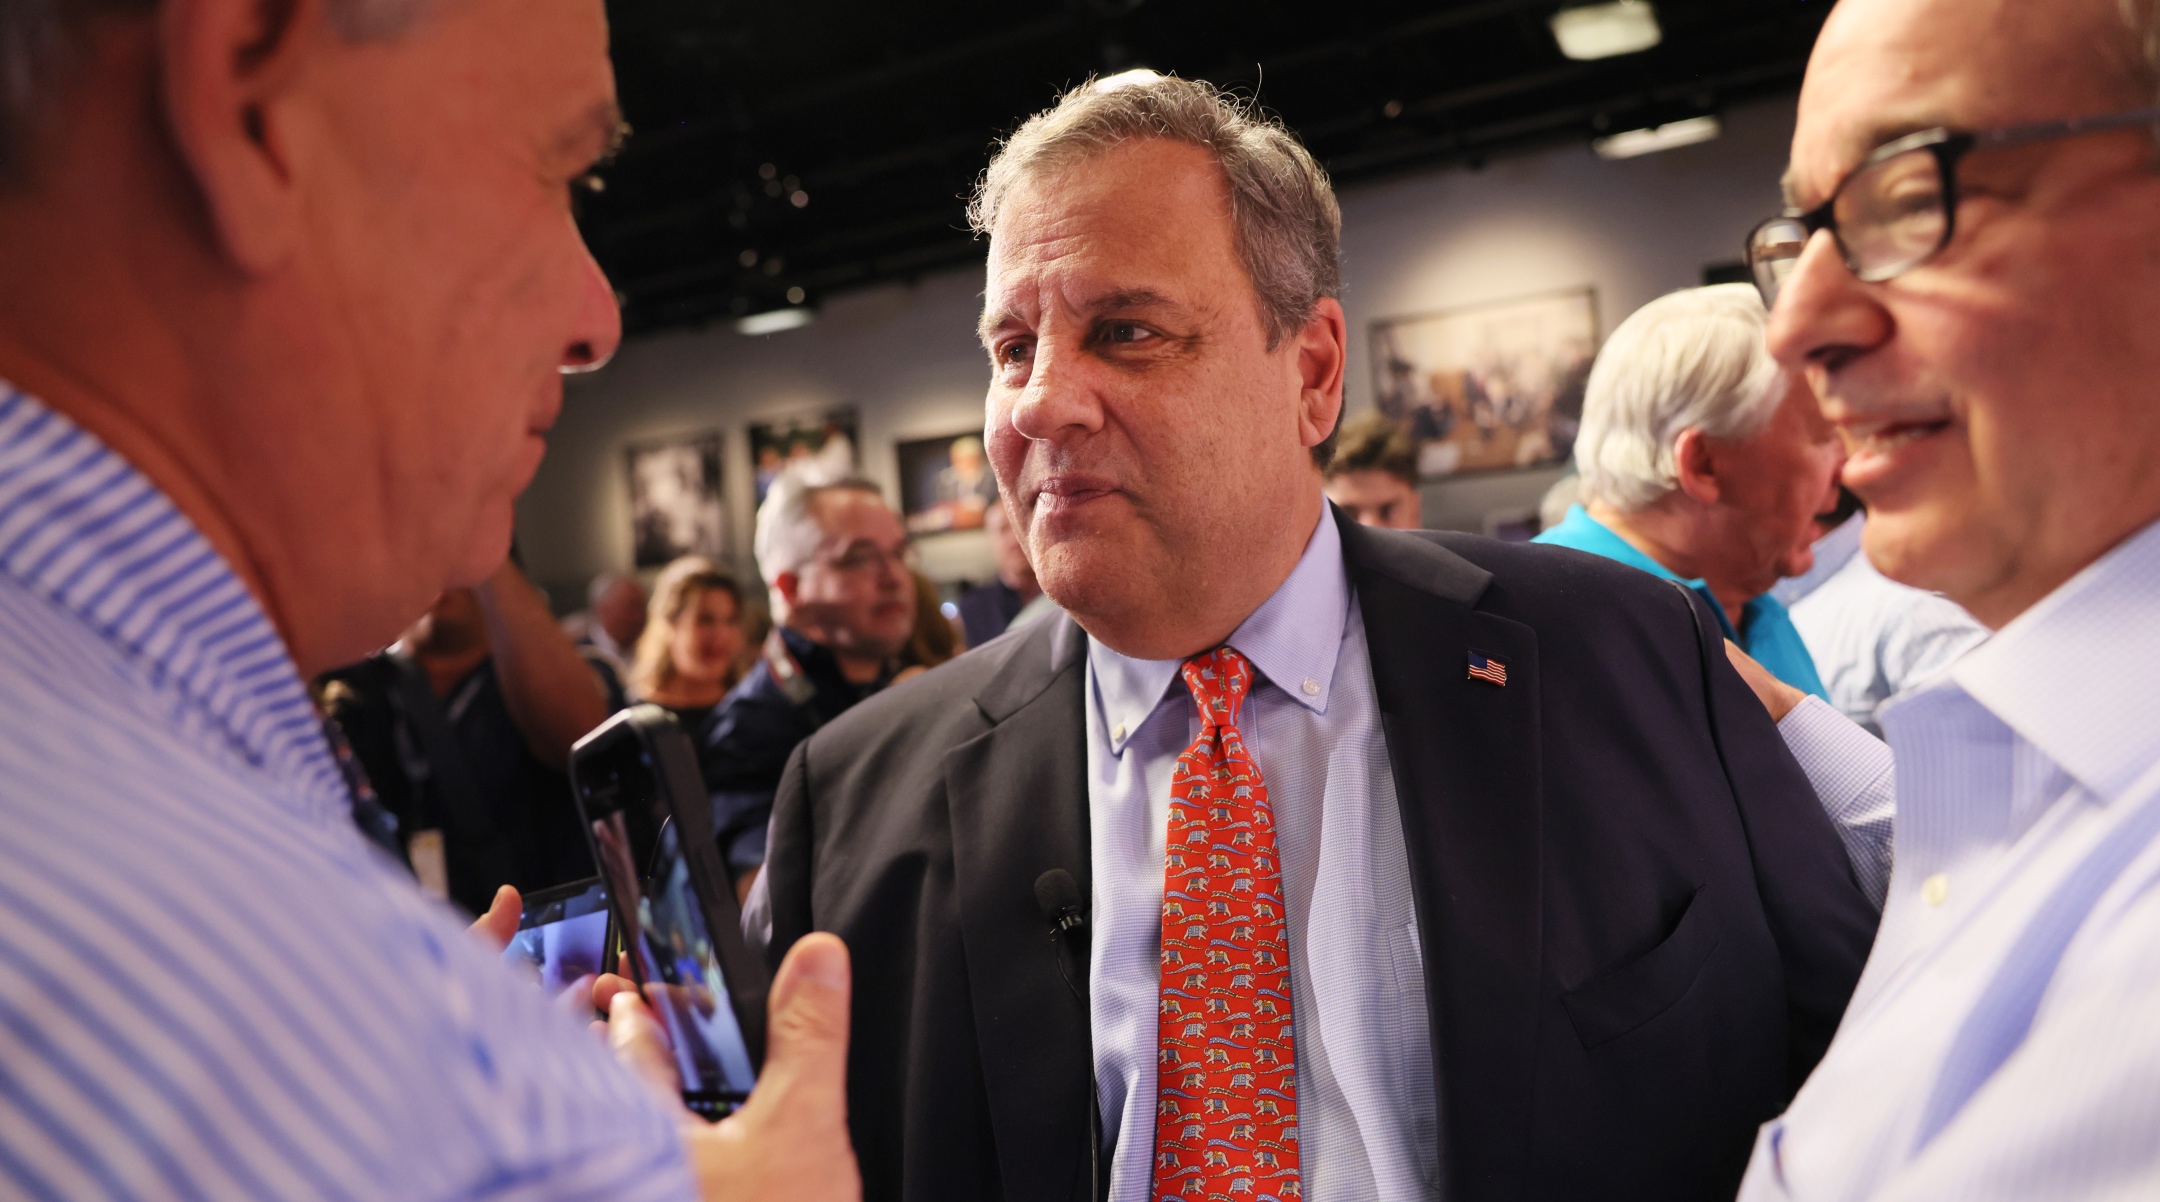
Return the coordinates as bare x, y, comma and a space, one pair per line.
1855, 779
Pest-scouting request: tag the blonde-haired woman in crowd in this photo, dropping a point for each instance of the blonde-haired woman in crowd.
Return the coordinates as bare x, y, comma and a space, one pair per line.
690, 654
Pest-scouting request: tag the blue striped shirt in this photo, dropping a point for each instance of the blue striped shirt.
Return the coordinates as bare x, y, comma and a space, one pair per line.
2004, 1041
211, 988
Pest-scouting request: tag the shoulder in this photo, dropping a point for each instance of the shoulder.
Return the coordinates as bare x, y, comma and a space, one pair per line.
1560, 592
905, 731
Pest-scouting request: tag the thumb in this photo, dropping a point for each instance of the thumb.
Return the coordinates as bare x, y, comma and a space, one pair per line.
807, 1033
499, 925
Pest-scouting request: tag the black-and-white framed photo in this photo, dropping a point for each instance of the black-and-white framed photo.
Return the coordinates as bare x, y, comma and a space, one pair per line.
1489, 387
945, 483
676, 507
827, 440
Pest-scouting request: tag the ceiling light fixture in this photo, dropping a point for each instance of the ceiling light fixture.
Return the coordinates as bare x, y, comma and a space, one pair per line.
1637, 142
774, 321
1597, 31
1126, 79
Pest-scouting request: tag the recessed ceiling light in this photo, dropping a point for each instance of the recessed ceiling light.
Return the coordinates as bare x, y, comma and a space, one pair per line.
1604, 30
1126, 79
774, 321
1664, 137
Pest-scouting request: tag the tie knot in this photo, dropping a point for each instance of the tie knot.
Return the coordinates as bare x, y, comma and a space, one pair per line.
1219, 681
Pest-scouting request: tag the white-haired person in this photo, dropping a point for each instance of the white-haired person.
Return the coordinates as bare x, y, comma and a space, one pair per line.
1705, 462
838, 564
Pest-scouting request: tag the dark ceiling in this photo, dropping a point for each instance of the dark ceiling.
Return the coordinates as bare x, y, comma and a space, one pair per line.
824, 145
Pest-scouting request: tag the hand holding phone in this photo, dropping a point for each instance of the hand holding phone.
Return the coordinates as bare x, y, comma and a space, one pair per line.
638, 788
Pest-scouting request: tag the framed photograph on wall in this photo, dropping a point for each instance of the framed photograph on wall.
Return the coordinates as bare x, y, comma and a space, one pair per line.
827, 439
676, 507
1489, 387
945, 483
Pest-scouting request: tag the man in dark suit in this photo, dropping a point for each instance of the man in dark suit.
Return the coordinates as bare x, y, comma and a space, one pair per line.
1451, 869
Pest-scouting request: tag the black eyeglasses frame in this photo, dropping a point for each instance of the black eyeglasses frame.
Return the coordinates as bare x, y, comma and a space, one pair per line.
1949, 147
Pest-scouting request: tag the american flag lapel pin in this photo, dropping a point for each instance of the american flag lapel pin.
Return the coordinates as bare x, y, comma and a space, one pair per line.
1489, 668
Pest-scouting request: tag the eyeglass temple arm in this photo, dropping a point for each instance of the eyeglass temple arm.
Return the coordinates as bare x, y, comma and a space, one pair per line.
2043, 130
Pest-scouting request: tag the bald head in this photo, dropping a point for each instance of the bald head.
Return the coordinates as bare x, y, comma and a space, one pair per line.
1996, 398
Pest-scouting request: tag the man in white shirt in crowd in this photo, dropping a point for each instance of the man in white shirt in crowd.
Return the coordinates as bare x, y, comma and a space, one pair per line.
1871, 637
1971, 292
285, 289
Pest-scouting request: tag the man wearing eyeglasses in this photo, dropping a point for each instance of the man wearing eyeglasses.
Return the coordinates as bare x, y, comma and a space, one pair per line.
1970, 276
843, 598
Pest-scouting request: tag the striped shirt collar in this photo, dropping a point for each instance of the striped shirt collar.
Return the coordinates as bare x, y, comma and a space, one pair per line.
83, 529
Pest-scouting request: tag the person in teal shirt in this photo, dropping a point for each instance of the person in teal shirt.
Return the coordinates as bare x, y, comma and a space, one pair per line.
1704, 462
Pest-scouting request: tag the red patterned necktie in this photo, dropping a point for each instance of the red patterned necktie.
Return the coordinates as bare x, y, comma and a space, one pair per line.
1226, 1090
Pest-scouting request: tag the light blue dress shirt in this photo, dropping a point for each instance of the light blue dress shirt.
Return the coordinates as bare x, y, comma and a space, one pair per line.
1871, 637
2004, 1041
210, 987
1766, 628
1367, 1115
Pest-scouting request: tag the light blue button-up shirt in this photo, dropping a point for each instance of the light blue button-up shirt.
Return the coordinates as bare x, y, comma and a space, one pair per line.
210, 987
1367, 1116
2004, 1041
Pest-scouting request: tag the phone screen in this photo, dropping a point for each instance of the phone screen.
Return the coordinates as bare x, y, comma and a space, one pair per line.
677, 925
562, 935
688, 991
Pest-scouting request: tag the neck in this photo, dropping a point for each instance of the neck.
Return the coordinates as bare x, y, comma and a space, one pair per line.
1663, 532
684, 693
1206, 603
855, 666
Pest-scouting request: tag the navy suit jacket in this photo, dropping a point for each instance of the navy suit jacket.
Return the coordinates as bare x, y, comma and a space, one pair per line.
1639, 928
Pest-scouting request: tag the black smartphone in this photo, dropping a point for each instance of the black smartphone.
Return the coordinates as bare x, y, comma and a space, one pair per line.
563, 934
640, 794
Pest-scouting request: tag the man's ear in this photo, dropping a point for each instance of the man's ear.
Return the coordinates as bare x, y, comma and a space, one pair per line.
230, 68
786, 583
1323, 348
1695, 463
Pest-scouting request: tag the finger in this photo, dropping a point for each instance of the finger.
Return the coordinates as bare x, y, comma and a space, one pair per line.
606, 986
499, 925
638, 1041
807, 1033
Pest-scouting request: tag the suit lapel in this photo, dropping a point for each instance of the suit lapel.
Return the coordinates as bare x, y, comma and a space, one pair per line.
1466, 756
1018, 797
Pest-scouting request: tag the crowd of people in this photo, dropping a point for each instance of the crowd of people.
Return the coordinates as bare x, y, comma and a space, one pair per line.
1783, 823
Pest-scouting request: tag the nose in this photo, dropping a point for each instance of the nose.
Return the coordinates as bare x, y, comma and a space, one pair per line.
1825, 315
1060, 397
598, 332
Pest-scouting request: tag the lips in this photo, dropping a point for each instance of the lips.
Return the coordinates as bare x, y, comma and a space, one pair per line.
1880, 452
1068, 491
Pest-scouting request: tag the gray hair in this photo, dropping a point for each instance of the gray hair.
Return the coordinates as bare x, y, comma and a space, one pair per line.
1282, 208
1692, 360
788, 531
37, 40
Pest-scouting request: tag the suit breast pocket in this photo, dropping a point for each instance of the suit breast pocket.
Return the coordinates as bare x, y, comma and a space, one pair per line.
1619, 999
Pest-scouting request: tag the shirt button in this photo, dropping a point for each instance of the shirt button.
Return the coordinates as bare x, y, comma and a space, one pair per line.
1935, 890
1312, 688
1117, 733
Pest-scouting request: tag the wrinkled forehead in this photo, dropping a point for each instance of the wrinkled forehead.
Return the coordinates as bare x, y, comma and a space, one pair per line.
1886, 68
1144, 214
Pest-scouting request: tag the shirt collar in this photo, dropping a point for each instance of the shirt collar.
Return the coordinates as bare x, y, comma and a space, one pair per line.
2073, 675
1293, 641
80, 527
1585, 533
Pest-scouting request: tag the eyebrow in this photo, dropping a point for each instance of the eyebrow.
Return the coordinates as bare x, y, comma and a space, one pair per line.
1874, 138
1120, 300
